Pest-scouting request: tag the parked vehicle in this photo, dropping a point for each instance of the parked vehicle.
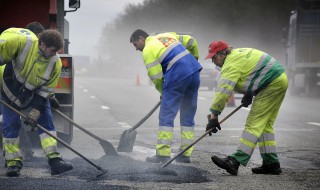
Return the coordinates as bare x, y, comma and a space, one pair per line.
303, 44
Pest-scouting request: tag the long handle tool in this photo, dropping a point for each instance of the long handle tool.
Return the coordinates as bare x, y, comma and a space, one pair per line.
128, 136
109, 150
207, 132
58, 139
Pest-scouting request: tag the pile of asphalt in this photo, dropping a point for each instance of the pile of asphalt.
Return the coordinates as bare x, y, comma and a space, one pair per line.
128, 169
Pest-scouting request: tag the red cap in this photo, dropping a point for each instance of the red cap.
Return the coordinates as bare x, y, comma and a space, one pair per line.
216, 46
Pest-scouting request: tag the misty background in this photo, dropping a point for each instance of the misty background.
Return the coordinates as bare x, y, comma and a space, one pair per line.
249, 23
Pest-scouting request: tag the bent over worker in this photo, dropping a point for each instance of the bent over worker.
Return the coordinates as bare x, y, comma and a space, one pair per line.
31, 74
175, 73
255, 74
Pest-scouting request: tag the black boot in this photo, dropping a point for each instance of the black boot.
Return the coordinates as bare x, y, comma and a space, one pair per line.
58, 166
183, 159
273, 169
157, 159
230, 164
14, 170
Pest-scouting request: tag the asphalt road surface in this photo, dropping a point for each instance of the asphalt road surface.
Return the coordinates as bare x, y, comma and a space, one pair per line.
108, 106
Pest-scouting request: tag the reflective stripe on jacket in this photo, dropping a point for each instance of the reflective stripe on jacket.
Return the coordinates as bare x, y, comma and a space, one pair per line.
26, 67
245, 71
189, 43
167, 59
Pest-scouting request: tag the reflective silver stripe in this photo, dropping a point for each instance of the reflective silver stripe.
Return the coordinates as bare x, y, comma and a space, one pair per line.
45, 135
157, 76
166, 129
164, 141
267, 149
50, 149
44, 94
10, 95
263, 73
50, 68
224, 90
267, 137
181, 39
249, 79
13, 156
186, 141
2, 40
187, 129
152, 64
190, 42
47, 89
20, 59
176, 58
249, 137
228, 82
246, 149
11, 141
165, 53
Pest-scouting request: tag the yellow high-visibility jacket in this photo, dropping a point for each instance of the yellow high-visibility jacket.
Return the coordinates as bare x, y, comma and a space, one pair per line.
246, 71
28, 75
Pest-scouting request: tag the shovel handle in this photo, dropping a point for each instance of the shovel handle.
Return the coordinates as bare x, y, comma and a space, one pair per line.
75, 124
51, 135
207, 132
146, 117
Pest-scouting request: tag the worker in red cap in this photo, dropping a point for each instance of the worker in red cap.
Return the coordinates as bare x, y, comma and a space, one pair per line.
255, 74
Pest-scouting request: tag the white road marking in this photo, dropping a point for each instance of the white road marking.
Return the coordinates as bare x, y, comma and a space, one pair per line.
80, 86
92, 97
201, 98
234, 136
105, 107
124, 125
312, 123
85, 90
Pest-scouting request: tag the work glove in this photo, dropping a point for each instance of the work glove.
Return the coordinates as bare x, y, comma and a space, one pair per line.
246, 100
213, 124
32, 118
54, 102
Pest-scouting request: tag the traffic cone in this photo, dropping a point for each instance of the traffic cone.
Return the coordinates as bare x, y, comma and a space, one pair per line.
137, 80
231, 102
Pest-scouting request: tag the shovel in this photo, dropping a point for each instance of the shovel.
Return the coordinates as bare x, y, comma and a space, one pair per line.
207, 132
128, 137
58, 139
109, 150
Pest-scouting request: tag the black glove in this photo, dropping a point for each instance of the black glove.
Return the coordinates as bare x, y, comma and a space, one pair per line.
246, 100
54, 102
32, 118
213, 124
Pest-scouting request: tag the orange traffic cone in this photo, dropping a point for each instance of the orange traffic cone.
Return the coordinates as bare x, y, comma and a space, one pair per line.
137, 80
231, 102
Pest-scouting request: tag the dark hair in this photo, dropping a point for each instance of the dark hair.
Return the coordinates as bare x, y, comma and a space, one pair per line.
136, 34
35, 27
51, 38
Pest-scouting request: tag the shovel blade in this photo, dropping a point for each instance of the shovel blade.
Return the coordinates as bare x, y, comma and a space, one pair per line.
108, 148
127, 140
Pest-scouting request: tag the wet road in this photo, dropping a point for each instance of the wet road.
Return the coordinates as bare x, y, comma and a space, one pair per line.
108, 106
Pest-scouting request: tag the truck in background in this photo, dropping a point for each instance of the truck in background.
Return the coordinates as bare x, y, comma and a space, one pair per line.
303, 45
51, 14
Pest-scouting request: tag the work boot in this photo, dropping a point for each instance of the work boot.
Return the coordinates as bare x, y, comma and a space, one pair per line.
183, 159
14, 170
157, 159
58, 166
273, 169
229, 163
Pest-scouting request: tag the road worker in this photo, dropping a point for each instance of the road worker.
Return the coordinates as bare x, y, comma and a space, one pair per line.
255, 74
32, 70
175, 73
